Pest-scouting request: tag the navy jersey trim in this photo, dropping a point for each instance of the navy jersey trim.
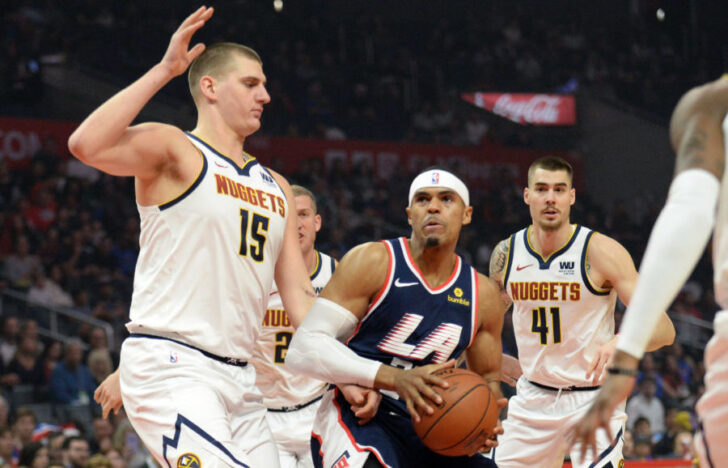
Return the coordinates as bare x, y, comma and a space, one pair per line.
333, 264
509, 261
167, 442
608, 450
191, 188
592, 288
243, 170
545, 263
317, 268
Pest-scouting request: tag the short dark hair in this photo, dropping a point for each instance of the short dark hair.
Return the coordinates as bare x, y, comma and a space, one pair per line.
551, 163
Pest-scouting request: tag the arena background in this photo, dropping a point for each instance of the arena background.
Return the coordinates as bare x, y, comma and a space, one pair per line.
363, 94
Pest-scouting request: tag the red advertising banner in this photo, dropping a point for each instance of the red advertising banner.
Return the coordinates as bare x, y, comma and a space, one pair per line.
534, 109
21, 138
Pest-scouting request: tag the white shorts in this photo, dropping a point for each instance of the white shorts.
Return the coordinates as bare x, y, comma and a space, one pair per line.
292, 433
713, 405
538, 429
191, 410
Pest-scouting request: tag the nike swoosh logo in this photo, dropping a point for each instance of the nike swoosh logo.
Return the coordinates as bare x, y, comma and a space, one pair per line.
220, 165
399, 284
519, 267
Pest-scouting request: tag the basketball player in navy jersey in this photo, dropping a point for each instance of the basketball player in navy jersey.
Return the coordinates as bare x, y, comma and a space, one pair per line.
678, 239
406, 308
216, 230
563, 281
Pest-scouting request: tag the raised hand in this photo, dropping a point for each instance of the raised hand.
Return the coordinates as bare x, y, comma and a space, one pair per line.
179, 56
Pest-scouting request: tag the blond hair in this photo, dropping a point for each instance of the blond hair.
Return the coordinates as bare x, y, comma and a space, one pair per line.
300, 191
215, 61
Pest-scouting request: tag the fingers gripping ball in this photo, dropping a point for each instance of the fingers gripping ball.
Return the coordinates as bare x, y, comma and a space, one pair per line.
465, 419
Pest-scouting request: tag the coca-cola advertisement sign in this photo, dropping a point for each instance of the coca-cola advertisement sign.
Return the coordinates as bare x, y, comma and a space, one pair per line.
523, 108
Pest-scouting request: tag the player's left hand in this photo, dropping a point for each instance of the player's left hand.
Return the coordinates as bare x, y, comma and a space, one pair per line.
492, 441
598, 365
616, 389
364, 401
108, 394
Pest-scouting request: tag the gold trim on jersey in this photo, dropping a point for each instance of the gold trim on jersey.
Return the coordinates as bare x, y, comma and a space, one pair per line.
546, 260
588, 280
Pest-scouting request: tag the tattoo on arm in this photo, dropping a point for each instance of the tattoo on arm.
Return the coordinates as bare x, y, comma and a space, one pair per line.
498, 261
694, 153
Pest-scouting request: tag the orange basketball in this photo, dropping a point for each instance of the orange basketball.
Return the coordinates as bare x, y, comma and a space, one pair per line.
465, 419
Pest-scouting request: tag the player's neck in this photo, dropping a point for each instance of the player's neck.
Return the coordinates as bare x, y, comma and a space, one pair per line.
435, 263
547, 241
310, 258
222, 139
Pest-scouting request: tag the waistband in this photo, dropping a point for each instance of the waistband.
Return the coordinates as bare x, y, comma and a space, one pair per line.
572, 388
289, 409
225, 360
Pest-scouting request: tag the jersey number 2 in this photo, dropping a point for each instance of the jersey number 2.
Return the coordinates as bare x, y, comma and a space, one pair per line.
539, 324
283, 340
252, 234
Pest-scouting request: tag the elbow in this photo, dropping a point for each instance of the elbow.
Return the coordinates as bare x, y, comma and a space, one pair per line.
78, 148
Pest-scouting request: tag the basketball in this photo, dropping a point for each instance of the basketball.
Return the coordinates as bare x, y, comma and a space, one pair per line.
465, 419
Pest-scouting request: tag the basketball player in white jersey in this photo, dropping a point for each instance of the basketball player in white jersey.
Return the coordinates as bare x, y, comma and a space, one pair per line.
216, 230
563, 281
678, 239
292, 399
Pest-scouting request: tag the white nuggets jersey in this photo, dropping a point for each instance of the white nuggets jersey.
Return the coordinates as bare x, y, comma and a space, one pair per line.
720, 238
207, 258
560, 318
280, 387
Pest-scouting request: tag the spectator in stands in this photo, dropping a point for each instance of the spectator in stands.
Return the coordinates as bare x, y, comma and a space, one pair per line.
648, 368
642, 448
71, 382
114, 456
47, 292
97, 339
628, 445
33, 455
51, 357
4, 411
55, 447
9, 339
7, 446
645, 404
19, 265
665, 440
25, 422
99, 364
101, 437
75, 452
26, 364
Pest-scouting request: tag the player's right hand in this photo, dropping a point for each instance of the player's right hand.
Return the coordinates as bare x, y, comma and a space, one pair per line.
415, 387
364, 401
179, 56
108, 394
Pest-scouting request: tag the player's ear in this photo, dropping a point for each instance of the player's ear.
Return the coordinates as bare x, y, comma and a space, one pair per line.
207, 87
467, 215
317, 223
409, 218
572, 196
525, 195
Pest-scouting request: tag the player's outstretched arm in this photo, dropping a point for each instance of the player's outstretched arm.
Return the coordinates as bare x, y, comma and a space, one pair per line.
677, 241
292, 278
498, 262
104, 139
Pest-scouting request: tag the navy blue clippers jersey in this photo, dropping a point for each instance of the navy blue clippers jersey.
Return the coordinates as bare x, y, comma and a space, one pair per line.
411, 324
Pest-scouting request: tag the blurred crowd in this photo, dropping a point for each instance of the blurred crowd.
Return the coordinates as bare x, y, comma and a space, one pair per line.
375, 70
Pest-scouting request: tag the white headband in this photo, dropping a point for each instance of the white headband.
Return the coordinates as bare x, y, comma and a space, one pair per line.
439, 178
